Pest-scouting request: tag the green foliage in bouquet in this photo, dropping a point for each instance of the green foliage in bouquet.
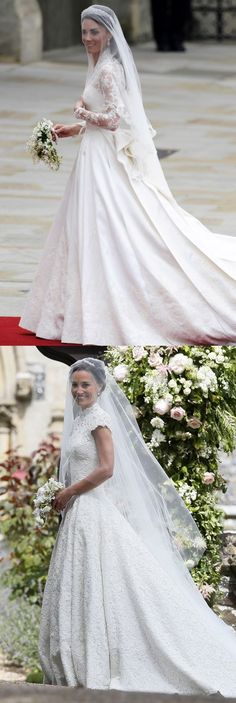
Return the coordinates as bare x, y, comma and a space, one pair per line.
30, 547
184, 399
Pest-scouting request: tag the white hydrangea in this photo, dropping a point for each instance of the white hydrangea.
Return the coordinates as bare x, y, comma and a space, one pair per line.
157, 422
156, 439
206, 379
156, 383
187, 492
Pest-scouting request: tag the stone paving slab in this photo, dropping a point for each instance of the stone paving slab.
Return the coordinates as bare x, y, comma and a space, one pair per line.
191, 101
19, 693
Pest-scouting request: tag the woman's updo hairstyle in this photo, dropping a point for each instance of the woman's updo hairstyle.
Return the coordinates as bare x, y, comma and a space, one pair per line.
94, 366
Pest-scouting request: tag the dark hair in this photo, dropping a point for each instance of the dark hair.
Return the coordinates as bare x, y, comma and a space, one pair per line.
94, 366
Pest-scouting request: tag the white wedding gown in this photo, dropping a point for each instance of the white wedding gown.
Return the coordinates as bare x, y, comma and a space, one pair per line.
123, 263
111, 616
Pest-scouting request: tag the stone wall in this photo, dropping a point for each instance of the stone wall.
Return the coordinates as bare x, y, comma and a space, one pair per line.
27, 26
61, 21
32, 398
21, 30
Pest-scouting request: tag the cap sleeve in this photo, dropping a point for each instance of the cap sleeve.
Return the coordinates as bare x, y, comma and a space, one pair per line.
99, 418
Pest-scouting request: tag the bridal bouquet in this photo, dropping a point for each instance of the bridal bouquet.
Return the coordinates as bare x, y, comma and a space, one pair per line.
41, 145
43, 500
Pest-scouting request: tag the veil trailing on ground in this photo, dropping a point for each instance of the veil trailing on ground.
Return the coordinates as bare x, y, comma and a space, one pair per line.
139, 488
136, 137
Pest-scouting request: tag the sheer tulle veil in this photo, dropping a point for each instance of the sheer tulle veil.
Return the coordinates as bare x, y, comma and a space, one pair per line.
139, 488
135, 134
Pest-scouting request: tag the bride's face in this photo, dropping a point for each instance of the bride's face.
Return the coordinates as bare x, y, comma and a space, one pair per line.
84, 389
94, 37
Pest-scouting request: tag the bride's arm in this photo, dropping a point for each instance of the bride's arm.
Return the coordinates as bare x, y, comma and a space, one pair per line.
110, 118
104, 470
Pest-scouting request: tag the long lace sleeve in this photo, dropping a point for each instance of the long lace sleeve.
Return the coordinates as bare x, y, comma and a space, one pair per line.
113, 106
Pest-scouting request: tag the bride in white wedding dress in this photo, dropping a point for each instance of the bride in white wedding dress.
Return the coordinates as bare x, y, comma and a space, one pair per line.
120, 609
121, 250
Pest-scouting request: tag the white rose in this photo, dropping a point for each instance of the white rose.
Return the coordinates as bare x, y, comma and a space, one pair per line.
173, 385
179, 362
177, 413
154, 359
194, 422
220, 359
120, 372
189, 563
139, 353
208, 478
123, 349
162, 406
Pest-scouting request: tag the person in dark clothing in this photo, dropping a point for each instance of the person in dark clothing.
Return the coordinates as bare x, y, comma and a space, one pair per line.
169, 19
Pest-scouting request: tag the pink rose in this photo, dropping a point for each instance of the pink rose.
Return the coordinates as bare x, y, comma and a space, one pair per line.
162, 406
177, 413
194, 423
208, 478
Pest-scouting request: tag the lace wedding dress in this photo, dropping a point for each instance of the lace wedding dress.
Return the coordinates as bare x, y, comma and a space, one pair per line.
123, 263
111, 616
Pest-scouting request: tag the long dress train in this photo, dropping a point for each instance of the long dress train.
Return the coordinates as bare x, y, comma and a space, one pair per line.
111, 616
123, 263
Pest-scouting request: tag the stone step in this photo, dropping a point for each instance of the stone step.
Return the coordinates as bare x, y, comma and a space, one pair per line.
32, 693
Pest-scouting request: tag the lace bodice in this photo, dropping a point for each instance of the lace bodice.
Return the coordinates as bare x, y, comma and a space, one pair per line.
83, 456
103, 95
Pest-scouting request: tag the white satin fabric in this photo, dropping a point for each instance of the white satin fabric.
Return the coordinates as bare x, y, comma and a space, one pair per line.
123, 263
112, 617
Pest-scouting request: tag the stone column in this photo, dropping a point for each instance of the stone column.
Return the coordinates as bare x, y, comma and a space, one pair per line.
21, 35
135, 18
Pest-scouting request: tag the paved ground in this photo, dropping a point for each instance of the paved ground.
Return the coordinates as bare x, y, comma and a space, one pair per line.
191, 101
9, 672
21, 693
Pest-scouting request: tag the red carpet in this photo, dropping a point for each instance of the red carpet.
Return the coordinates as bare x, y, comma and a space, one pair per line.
11, 334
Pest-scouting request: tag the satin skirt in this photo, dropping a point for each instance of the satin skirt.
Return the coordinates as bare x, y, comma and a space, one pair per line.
124, 264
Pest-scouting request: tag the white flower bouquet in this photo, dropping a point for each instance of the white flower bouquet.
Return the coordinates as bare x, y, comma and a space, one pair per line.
43, 500
41, 145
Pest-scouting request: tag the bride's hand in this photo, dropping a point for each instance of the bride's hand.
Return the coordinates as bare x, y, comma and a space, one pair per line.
62, 498
62, 130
